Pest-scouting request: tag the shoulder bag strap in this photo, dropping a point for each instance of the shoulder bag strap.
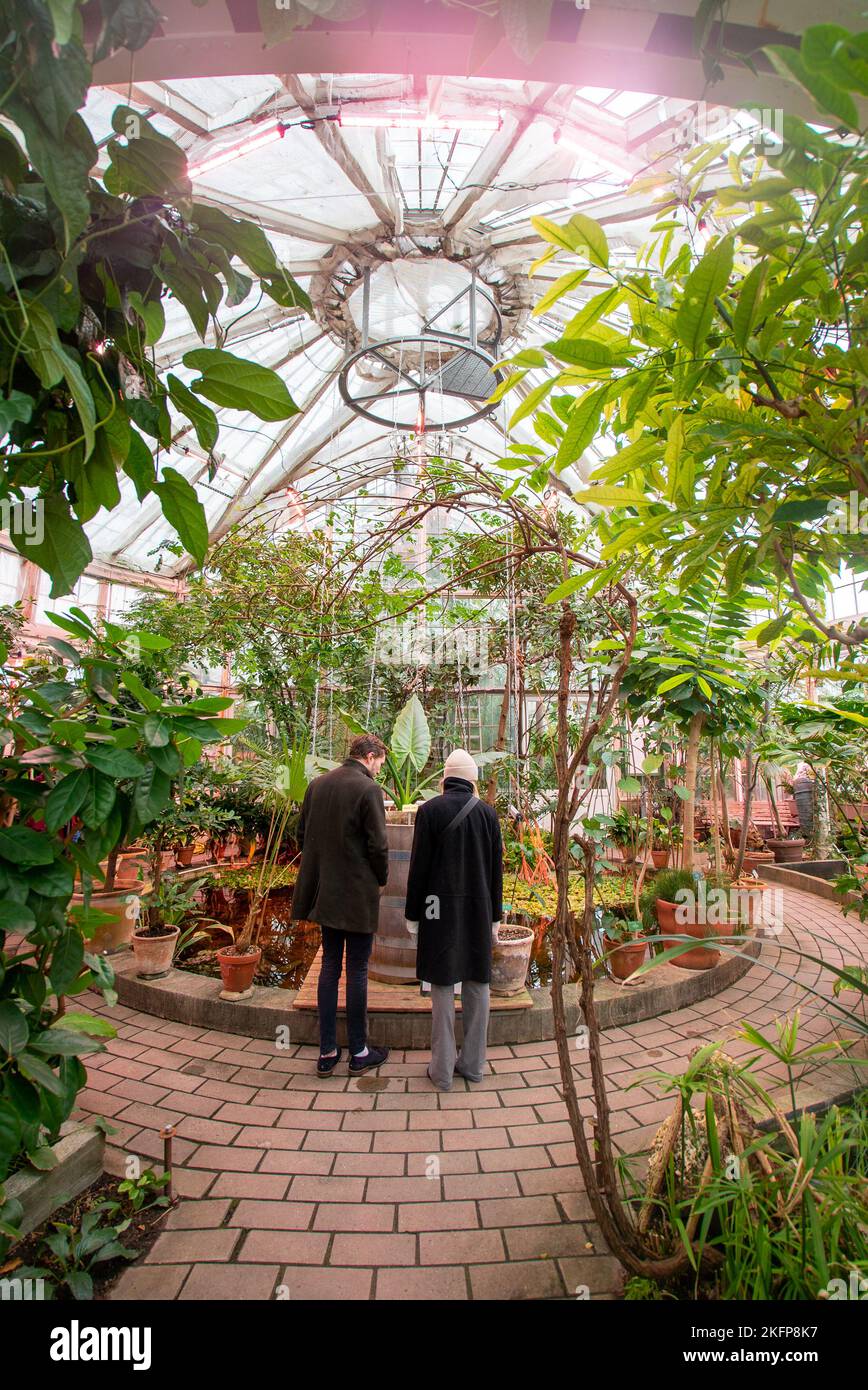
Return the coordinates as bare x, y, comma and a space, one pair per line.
462, 814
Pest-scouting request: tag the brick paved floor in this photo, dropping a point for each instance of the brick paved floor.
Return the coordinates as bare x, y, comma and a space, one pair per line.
384, 1188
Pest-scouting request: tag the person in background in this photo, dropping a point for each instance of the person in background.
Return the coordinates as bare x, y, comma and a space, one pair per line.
344, 865
454, 898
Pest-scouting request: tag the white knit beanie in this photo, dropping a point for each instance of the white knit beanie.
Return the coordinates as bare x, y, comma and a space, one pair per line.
460, 764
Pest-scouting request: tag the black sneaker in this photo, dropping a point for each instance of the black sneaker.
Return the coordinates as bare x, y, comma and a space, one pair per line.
375, 1057
326, 1065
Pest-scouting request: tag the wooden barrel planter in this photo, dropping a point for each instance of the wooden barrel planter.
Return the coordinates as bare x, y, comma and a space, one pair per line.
393, 954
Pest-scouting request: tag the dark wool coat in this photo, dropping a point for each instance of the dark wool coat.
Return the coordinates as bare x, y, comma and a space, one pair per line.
345, 853
459, 877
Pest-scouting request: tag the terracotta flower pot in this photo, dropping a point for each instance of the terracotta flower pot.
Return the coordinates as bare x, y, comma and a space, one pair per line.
660, 858
749, 902
700, 957
787, 851
131, 869
510, 959
624, 957
754, 857
154, 953
124, 906
237, 971
184, 856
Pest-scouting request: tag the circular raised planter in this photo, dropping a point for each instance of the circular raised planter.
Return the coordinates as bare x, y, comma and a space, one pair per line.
194, 999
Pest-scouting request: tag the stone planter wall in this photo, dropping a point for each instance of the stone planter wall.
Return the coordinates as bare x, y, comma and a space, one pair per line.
79, 1153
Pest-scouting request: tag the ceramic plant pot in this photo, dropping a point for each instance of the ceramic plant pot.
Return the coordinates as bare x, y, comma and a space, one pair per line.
237, 971
624, 957
510, 959
787, 851
754, 857
660, 858
700, 957
154, 954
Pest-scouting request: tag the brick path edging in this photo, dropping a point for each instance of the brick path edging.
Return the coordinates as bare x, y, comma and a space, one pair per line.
183, 997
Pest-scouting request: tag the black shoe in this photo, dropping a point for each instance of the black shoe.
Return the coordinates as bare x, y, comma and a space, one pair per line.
375, 1057
326, 1065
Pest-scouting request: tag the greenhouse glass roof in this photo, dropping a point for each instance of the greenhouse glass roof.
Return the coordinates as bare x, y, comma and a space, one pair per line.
420, 180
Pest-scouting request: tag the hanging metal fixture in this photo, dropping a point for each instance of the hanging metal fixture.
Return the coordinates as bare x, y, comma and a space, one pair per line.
408, 371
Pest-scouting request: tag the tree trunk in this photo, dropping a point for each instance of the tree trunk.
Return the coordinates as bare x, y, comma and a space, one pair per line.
750, 779
499, 742
691, 767
821, 845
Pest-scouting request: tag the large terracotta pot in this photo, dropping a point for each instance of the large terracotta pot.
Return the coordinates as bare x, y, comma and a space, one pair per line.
749, 904
510, 959
393, 954
787, 851
700, 957
754, 857
124, 906
624, 957
236, 971
131, 869
154, 954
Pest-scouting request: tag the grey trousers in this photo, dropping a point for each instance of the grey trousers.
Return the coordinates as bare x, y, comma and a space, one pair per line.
470, 1061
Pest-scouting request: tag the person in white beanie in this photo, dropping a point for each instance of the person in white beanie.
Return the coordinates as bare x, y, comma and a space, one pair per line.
454, 899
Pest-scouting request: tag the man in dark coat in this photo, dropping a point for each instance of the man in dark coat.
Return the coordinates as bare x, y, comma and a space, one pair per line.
344, 864
454, 899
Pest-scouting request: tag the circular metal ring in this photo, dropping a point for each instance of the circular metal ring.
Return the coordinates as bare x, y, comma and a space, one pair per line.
420, 388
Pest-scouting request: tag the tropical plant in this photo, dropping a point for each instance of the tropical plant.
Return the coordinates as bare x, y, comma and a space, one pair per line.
664, 885
88, 761
765, 1205
72, 1253
86, 266
729, 387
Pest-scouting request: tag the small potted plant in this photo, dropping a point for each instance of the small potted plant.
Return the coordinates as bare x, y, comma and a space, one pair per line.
664, 837
622, 834
625, 944
159, 936
672, 903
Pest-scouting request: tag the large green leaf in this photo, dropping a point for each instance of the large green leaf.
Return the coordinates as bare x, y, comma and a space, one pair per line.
25, 847
233, 381
64, 800
827, 94
411, 736
581, 352
705, 283
67, 959
14, 1032
581, 235
52, 361
582, 426
183, 510
148, 164
197, 412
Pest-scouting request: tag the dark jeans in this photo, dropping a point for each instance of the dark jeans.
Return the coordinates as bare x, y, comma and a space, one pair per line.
358, 946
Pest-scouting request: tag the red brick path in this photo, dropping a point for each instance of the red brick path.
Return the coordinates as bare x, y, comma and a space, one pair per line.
383, 1188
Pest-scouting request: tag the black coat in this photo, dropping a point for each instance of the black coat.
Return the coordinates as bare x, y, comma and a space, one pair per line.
345, 853
455, 887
